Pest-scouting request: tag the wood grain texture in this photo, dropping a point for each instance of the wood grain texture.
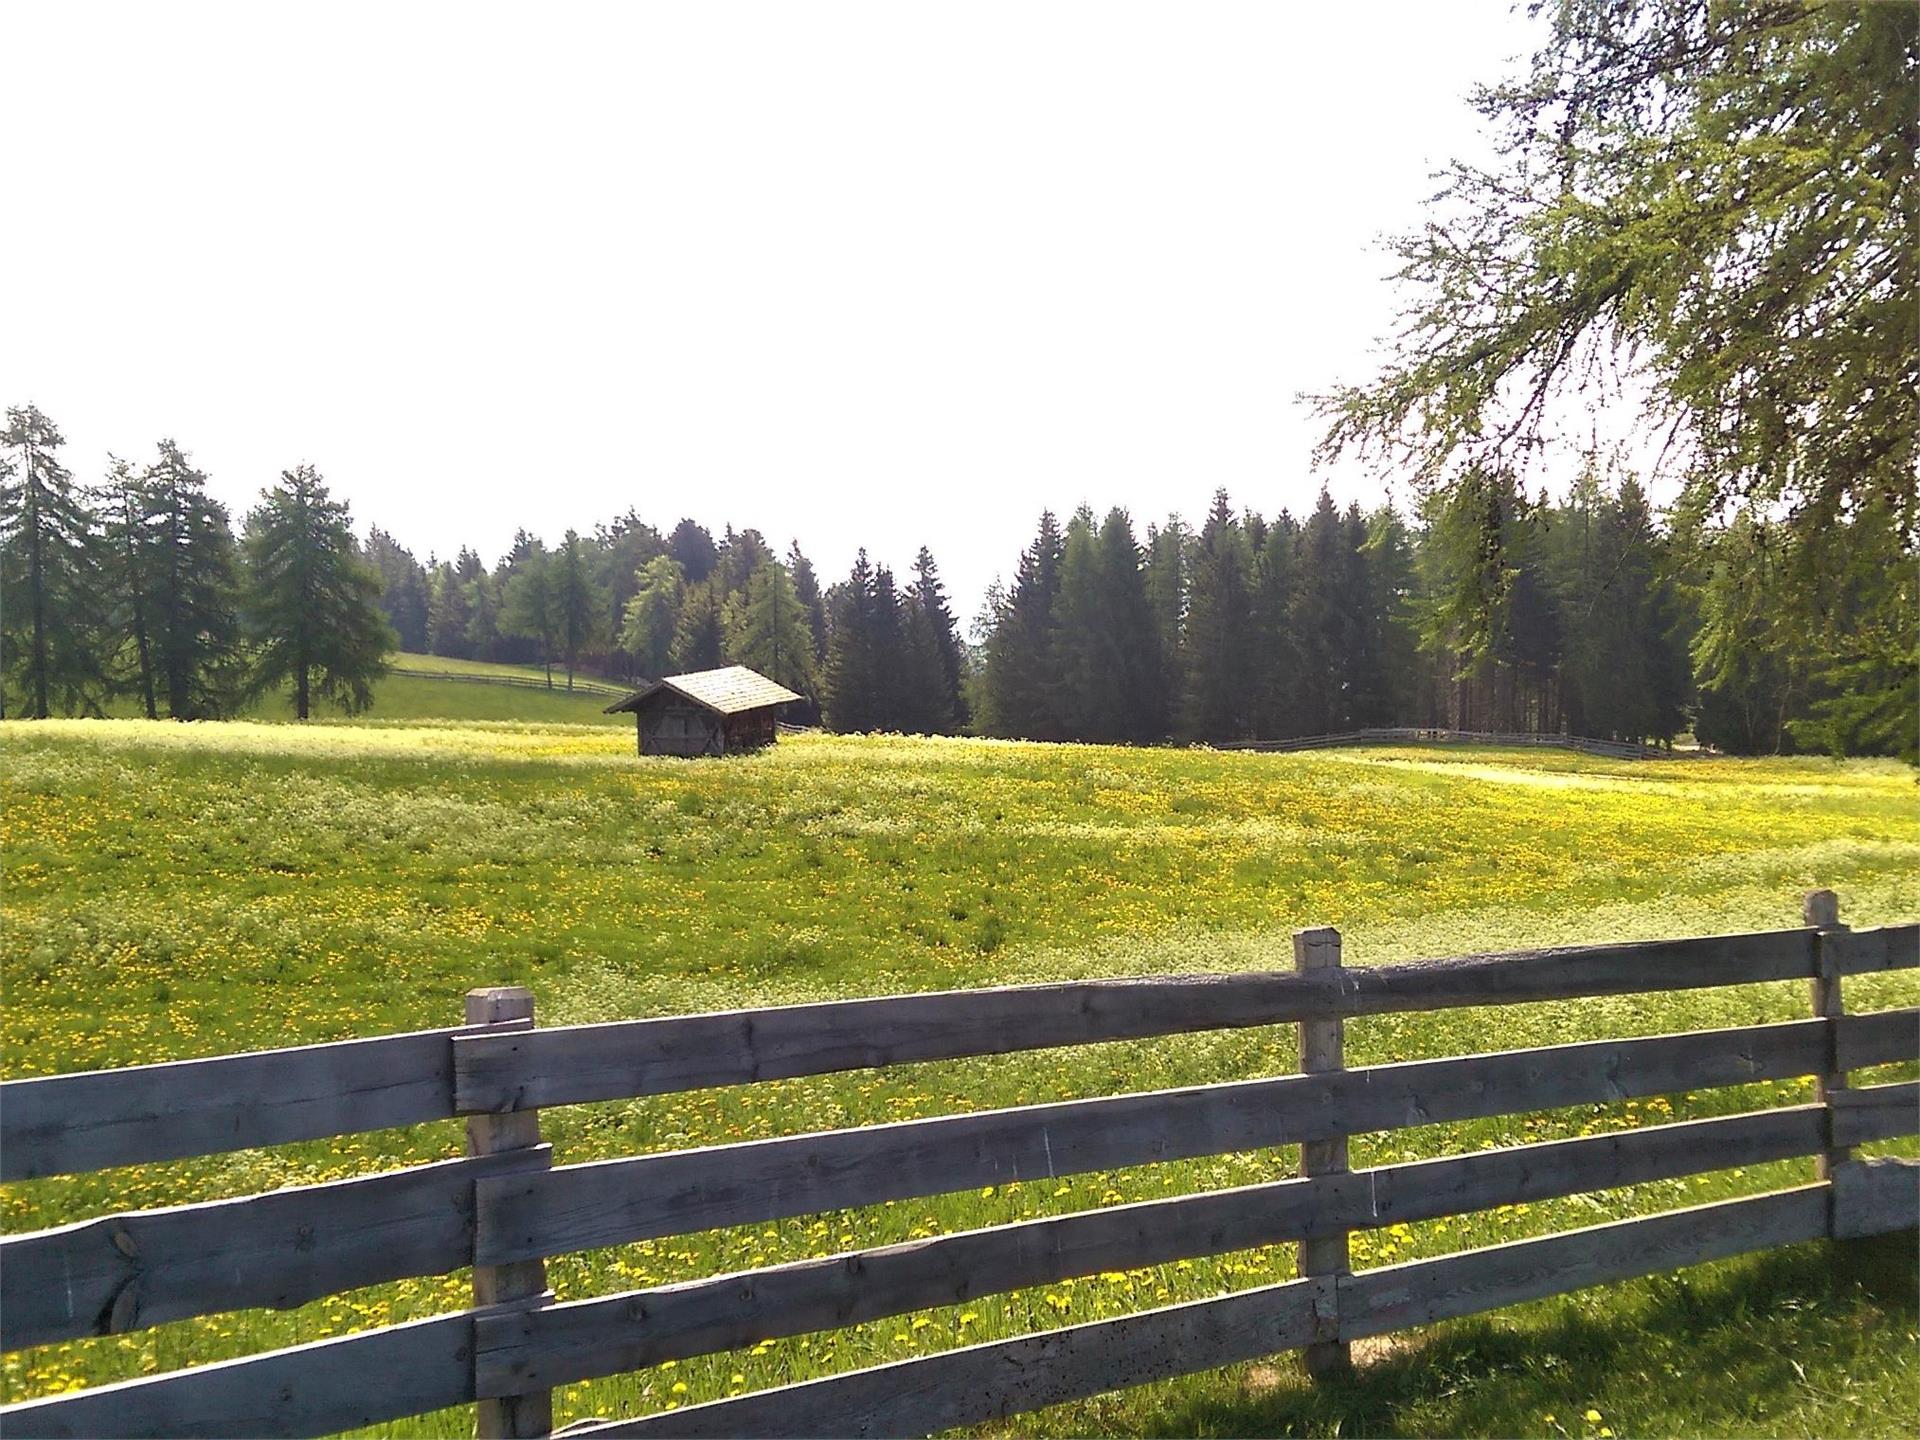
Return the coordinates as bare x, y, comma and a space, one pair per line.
565, 1065
580, 1207
1872, 1197
619, 1333
1881, 1038
315, 1389
65, 1124
1866, 1113
130, 1271
1394, 1297
1322, 1050
1887, 947
1010, 1377
527, 1412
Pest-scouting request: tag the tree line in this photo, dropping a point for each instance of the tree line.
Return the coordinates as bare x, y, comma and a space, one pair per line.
1485, 610
139, 588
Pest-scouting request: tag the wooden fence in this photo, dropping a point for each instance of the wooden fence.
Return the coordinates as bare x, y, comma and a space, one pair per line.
506, 1207
580, 686
1612, 749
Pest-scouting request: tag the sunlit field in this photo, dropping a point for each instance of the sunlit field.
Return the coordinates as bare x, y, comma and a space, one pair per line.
179, 890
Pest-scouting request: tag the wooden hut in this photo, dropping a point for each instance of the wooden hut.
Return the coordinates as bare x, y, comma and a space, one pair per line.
710, 712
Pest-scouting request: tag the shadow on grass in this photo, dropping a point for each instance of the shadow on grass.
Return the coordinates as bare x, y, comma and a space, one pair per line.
1790, 1342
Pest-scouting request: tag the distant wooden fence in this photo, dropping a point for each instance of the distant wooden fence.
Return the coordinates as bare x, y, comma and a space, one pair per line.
580, 686
1613, 749
506, 1208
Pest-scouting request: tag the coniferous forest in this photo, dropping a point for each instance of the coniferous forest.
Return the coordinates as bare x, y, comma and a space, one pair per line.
1485, 610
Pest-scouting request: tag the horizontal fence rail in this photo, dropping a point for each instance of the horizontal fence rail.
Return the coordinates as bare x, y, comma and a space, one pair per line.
613, 1202
1611, 749
63, 1124
580, 685
93, 1120
507, 1207
1010, 1377
588, 1338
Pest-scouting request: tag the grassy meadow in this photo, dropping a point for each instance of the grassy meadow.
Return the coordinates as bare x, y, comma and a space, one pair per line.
178, 890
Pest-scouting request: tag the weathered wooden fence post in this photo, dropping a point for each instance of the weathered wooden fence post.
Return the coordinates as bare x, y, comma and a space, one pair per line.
1822, 911
514, 1416
1322, 1048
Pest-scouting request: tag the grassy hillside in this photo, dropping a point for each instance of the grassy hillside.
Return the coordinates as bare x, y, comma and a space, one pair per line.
180, 890
408, 698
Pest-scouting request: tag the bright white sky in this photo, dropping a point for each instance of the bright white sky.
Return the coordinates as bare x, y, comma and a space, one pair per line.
877, 274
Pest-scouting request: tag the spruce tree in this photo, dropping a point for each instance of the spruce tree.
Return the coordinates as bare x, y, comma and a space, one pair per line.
692, 545
404, 589
806, 588
449, 612
1022, 678
1132, 634
1168, 552
926, 695
1218, 700
850, 682
930, 598
892, 703
1085, 698
53, 640
1277, 705
312, 603
483, 616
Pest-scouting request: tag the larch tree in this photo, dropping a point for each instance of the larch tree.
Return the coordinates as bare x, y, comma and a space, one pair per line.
191, 590
53, 635
700, 639
312, 602
530, 608
580, 620
131, 569
653, 615
1715, 203
767, 629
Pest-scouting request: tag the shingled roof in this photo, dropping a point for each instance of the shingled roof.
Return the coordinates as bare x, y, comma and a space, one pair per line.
726, 691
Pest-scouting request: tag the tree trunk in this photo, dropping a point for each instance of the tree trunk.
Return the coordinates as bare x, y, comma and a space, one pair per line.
37, 584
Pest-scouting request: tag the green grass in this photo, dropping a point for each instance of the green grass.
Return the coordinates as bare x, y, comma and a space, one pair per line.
409, 698
178, 890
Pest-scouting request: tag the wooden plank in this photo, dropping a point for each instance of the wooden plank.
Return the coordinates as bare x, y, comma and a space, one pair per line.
527, 1412
1394, 1297
1867, 1113
315, 1389
566, 1065
1884, 1037
1821, 911
614, 1334
64, 1124
583, 1207
1322, 1050
1887, 947
1872, 1197
1010, 1377
130, 1271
